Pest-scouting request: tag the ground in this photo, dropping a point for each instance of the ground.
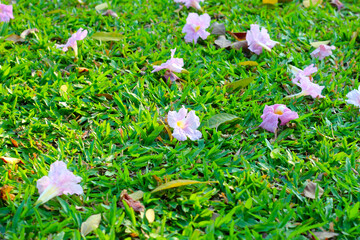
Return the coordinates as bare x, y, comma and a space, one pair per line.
105, 115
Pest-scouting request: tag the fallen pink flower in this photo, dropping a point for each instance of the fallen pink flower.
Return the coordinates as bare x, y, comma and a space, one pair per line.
354, 97
308, 88
191, 3
6, 13
273, 113
195, 27
59, 181
257, 40
322, 51
28, 31
110, 13
302, 73
184, 124
337, 4
79, 35
172, 65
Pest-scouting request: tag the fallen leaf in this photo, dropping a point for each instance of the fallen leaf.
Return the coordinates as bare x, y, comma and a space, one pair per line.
101, 7
177, 183
150, 215
110, 13
82, 69
90, 224
219, 119
15, 38
136, 205
240, 83
324, 235
11, 160
249, 63
317, 44
311, 3
136, 196
239, 36
63, 90
270, 2
310, 190
107, 36
218, 29
222, 42
14, 142
4, 190
107, 96
240, 45
28, 31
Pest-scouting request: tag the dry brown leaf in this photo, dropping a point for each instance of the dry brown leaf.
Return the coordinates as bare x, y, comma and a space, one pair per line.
222, 42
14, 142
136, 205
218, 29
106, 95
324, 235
239, 36
82, 69
310, 190
4, 190
15, 38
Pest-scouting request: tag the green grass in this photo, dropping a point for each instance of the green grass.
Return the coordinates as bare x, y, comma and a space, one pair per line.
260, 177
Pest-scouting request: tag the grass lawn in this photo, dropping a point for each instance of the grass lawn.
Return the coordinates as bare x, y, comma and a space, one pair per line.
104, 114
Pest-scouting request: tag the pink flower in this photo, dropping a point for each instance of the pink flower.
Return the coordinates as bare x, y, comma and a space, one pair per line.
322, 51
110, 13
195, 27
257, 40
6, 12
59, 181
354, 97
302, 73
308, 88
191, 3
79, 35
172, 65
272, 114
184, 124
337, 3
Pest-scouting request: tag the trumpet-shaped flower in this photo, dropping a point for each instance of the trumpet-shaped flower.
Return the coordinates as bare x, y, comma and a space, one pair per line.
257, 40
337, 3
79, 35
184, 124
172, 65
195, 27
302, 73
354, 97
191, 3
59, 181
308, 88
322, 51
272, 114
6, 12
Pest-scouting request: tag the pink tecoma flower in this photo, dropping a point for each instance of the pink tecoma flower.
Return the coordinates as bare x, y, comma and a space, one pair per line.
79, 35
6, 12
184, 124
59, 181
308, 88
322, 51
354, 97
195, 27
172, 65
273, 113
191, 3
337, 3
302, 73
257, 40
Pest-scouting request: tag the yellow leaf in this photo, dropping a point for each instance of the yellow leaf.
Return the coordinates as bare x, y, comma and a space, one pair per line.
136, 196
11, 160
311, 3
177, 183
90, 224
270, 1
150, 215
249, 63
317, 44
